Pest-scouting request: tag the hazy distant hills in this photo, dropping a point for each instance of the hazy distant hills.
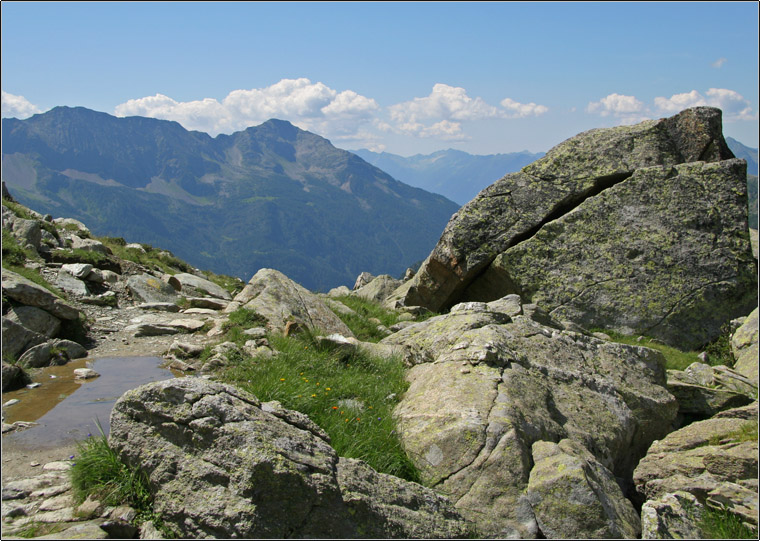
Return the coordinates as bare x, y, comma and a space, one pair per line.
451, 173
749, 154
460, 176
270, 196
745, 153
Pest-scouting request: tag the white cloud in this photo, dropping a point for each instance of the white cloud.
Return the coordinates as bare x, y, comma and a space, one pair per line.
719, 62
733, 104
311, 106
441, 113
522, 110
17, 106
617, 105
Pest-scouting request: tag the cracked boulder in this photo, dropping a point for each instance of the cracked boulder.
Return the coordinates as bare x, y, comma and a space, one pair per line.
223, 465
487, 383
287, 305
636, 228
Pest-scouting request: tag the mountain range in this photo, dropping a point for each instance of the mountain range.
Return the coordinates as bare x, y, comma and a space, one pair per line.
451, 173
461, 176
270, 196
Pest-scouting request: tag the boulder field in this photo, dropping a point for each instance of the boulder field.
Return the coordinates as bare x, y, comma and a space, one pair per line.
521, 421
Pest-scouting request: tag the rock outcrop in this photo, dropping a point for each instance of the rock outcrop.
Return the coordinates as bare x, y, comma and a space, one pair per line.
487, 384
281, 301
224, 465
714, 460
744, 344
642, 229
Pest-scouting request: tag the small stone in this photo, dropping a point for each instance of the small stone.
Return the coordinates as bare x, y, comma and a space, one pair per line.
11, 402
85, 373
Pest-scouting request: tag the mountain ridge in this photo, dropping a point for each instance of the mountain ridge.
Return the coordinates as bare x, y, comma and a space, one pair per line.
272, 195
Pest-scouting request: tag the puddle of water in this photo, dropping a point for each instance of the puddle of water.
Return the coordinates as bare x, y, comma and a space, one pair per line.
66, 409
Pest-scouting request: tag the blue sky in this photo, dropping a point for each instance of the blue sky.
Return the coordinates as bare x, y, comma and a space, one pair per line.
402, 77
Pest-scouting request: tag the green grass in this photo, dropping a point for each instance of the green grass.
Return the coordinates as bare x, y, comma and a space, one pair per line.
13, 253
34, 276
351, 399
358, 323
152, 257
99, 472
747, 432
722, 524
675, 359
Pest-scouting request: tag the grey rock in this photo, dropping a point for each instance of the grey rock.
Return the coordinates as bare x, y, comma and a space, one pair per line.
208, 303
674, 516
27, 292
159, 306
150, 329
88, 245
77, 270
17, 338
280, 300
744, 344
210, 449
339, 291
71, 223
629, 189
574, 496
703, 390
709, 459
485, 387
52, 352
146, 288
378, 289
69, 284
362, 280
35, 319
198, 283
13, 377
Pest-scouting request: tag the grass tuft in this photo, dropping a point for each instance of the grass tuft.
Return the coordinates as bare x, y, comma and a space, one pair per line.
352, 398
723, 524
99, 472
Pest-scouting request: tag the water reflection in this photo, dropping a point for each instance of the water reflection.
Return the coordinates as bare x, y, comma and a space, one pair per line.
66, 409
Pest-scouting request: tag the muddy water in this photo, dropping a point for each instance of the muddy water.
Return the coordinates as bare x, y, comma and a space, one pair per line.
65, 409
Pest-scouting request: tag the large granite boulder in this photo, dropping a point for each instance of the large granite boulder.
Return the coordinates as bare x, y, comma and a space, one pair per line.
638, 228
715, 460
223, 465
744, 344
487, 383
283, 302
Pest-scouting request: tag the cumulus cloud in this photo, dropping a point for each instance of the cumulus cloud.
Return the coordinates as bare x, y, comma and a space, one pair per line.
733, 104
311, 106
617, 105
523, 110
719, 62
17, 106
441, 113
